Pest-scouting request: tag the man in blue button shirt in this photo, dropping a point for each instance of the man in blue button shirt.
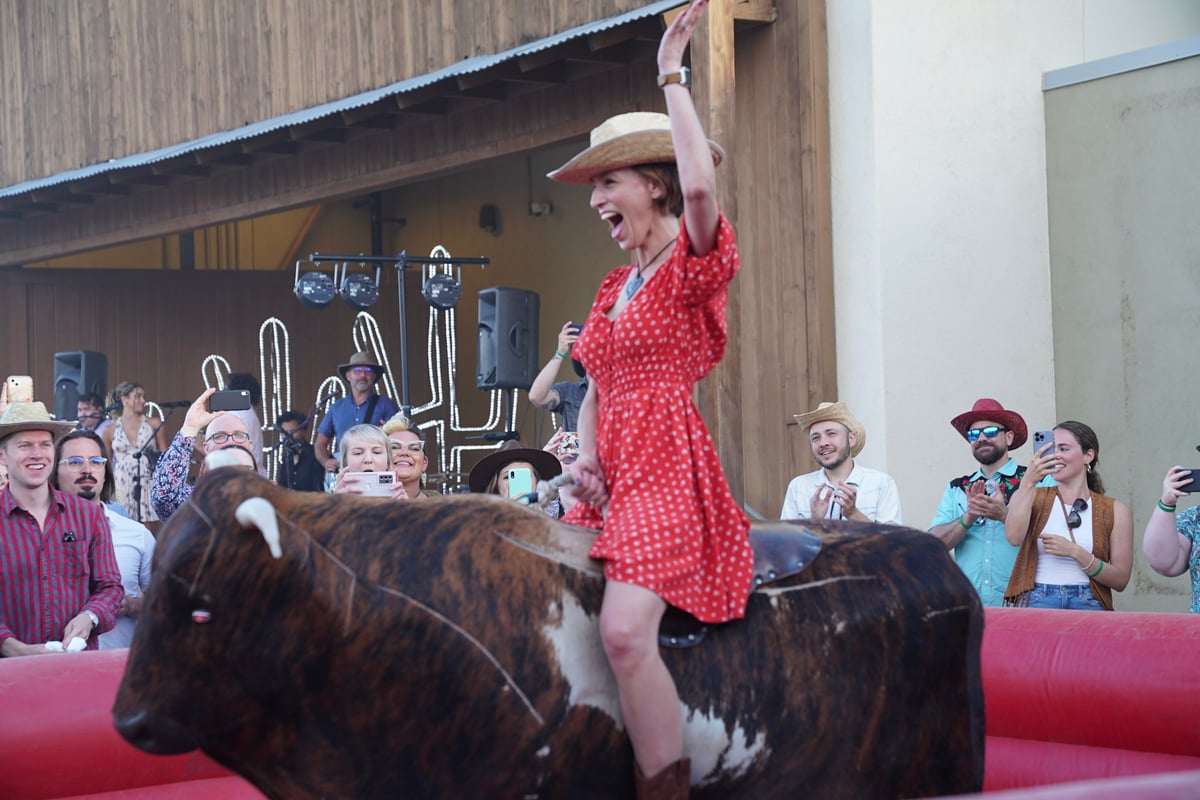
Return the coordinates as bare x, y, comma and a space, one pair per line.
970, 518
362, 406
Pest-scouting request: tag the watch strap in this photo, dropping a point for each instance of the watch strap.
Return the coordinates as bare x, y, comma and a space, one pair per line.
683, 77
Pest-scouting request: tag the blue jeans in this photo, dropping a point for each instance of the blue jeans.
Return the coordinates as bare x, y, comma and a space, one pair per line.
1075, 598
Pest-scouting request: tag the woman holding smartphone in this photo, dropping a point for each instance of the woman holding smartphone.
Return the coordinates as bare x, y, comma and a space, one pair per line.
1172, 540
1076, 543
648, 474
514, 470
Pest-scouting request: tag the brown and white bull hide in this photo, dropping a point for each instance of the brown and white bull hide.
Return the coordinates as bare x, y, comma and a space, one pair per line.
450, 648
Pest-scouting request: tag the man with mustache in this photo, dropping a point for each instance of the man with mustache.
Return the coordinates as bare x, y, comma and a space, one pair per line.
58, 575
363, 406
83, 471
841, 488
970, 518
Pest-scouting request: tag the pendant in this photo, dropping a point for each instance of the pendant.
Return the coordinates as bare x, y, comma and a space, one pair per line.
631, 287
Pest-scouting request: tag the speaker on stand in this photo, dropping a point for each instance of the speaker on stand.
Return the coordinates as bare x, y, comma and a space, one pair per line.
508, 336
77, 372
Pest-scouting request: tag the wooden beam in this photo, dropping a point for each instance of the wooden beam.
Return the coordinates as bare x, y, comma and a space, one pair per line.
755, 11
719, 395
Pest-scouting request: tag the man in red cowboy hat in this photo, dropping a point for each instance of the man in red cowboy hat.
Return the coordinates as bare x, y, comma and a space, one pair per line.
59, 579
363, 406
970, 518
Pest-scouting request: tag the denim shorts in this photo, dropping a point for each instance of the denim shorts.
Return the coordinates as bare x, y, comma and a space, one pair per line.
1073, 597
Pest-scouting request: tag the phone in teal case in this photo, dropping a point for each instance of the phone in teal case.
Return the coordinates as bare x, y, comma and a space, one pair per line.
520, 481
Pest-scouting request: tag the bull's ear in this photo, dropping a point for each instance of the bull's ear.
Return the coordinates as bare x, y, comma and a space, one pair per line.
257, 512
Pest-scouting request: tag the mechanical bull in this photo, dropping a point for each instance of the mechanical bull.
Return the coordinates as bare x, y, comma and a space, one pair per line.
450, 648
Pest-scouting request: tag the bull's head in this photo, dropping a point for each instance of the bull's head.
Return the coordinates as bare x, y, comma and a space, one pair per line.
217, 594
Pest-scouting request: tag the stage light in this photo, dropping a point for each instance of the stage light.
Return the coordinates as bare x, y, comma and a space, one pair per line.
358, 290
441, 290
313, 289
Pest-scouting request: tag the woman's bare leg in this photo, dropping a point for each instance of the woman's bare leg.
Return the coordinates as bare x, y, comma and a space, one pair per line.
629, 622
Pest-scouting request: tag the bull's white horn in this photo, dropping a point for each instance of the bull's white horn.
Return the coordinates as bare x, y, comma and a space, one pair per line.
257, 512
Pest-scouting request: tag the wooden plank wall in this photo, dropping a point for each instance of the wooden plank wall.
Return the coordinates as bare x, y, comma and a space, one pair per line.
85, 93
786, 339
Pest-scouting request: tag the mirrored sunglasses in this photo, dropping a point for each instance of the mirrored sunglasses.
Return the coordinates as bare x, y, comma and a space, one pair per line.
991, 432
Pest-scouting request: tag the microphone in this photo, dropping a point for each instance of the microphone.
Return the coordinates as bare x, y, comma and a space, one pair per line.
114, 407
332, 394
176, 404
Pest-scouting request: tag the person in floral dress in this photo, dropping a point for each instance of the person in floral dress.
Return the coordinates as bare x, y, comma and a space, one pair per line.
648, 474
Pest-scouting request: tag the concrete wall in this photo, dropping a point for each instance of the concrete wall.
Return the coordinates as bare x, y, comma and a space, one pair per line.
1122, 162
941, 239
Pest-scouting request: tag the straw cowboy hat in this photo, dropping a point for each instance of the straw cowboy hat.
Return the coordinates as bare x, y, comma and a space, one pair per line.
626, 140
360, 360
546, 464
836, 412
988, 409
31, 417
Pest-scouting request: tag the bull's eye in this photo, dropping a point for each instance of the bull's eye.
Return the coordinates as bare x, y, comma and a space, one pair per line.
201, 616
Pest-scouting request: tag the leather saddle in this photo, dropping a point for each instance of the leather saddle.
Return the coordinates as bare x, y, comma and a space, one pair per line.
781, 548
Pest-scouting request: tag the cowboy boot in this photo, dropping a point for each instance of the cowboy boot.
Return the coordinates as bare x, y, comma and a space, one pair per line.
673, 783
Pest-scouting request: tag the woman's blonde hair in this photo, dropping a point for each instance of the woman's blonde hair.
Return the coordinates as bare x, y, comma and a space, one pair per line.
122, 389
363, 432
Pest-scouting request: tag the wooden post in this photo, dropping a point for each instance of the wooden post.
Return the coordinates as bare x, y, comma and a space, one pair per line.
719, 396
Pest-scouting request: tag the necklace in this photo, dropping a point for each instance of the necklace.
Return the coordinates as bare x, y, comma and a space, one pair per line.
635, 281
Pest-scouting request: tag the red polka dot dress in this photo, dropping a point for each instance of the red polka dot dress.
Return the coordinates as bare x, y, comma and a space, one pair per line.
672, 525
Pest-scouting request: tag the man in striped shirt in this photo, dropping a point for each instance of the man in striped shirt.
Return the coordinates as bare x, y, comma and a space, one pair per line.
59, 579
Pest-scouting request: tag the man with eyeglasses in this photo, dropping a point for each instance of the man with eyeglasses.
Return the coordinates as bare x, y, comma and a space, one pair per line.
970, 517
169, 490
82, 470
59, 580
363, 406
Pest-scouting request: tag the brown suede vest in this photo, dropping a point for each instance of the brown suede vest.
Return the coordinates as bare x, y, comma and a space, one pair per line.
1024, 573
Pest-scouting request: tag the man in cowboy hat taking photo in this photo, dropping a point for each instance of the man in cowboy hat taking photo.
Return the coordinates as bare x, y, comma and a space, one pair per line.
841, 488
363, 406
970, 518
59, 579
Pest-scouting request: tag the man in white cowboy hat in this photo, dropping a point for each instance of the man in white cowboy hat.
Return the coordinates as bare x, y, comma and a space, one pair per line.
363, 406
970, 518
59, 579
841, 488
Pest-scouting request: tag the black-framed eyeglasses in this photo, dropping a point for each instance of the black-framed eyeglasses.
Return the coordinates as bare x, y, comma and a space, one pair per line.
222, 438
75, 463
1073, 520
991, 432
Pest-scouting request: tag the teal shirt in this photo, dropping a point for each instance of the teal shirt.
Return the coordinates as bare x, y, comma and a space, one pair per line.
1187, 522
983, 554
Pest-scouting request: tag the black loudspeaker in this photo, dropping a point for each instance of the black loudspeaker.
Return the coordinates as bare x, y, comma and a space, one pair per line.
508, 336
77, 372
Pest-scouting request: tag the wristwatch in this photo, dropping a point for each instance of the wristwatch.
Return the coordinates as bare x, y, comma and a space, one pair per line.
683, 78
92, 616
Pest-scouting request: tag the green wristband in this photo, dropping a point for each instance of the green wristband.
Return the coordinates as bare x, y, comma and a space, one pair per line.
560, 355
963, 522
1166, 508
1099, 566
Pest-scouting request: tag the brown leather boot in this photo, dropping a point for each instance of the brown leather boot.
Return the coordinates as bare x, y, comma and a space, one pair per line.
673, 783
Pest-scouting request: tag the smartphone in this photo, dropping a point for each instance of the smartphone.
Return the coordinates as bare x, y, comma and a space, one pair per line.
374, 484
520, 482
1040, 440
20, 389
568, 446
230, 400
1193, 484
